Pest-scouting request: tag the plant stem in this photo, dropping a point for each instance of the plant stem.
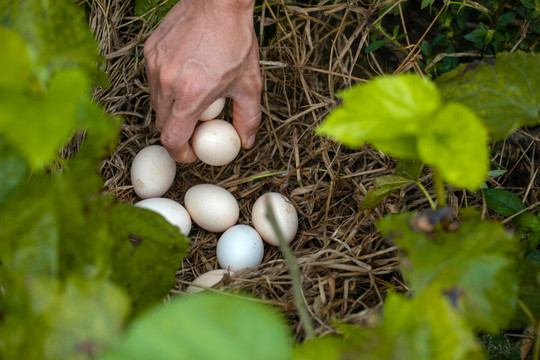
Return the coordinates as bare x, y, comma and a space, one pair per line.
431, 203
257, 177
440, 190
391, 38
527, 312
536, 350
295, 275
536, 326
484, 11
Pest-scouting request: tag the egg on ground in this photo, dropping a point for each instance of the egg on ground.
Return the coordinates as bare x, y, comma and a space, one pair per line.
171, 210
285, 213
213, 110
152, 172
211, 207
239, 247
206, 280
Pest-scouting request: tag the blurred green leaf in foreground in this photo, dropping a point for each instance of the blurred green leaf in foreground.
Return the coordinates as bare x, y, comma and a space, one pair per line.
405, 117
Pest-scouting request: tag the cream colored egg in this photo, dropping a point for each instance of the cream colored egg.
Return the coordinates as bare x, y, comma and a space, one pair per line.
239, 247
215, 142
213, 110
152, 172
172, 211
206, 280
286, 216
212, 207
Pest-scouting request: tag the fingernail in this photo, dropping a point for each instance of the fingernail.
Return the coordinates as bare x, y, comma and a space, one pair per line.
250, 141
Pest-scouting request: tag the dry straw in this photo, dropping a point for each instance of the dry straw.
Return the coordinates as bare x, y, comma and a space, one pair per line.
308, 53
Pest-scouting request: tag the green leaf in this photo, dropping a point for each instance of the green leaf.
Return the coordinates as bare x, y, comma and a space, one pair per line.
455, 143
385, 185
13, 169
503, 202
15, 63
38, 126
476, 35
528, 221
45, 93
534, 256
153, 10
77, 321
475, 267
329, 347
529, 293
411, 169
30, 233
376, 45
504, 19
403, 116
206, 326
88, 317
388, 112
56, 33
529, 4
426, 3
68, 229
419, 328
506, 95
426, 48
332, 347
497, 172
147, 253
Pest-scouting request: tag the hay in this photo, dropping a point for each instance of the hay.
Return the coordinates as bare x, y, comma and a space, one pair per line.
308, 54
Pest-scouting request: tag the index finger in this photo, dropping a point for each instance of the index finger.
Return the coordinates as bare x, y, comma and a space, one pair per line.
176, 133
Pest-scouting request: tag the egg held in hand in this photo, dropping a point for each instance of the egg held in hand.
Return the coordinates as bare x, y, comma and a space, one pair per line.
211, 207
172, 211
152, 172
239, 247
213, 110
285, 213
215, 142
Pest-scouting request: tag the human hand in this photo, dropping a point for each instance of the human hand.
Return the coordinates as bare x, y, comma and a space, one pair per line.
203, 50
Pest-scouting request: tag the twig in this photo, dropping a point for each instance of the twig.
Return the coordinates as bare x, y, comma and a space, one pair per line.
510, 218
298, 294
417, 45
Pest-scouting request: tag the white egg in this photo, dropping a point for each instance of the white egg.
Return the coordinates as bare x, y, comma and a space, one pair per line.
172, 211
152, 172
215, 142
286, 216
240, 247
212, 207
213, 110
206, 280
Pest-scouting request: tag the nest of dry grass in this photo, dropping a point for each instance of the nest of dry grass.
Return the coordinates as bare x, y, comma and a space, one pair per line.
307, 54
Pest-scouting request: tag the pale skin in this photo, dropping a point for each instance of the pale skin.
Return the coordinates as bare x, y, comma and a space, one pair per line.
203, 50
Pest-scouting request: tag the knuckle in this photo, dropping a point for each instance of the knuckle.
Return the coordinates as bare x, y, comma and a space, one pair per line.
149, 45
190, 88
147, 48
166, 76
168, 140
